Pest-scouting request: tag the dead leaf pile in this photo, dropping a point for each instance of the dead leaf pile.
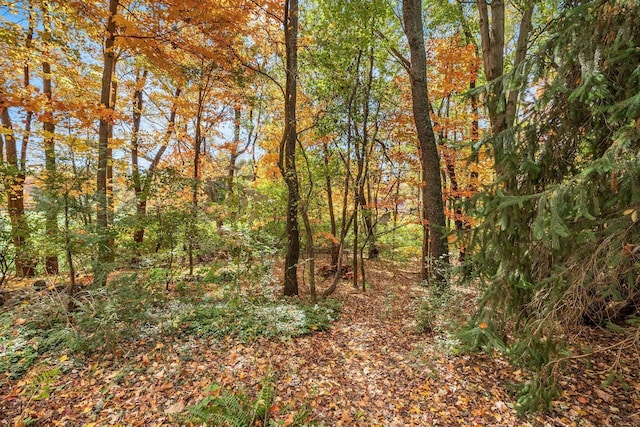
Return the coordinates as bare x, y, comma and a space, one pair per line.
371, 368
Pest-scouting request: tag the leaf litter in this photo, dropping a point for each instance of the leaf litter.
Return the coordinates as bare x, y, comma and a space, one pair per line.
370, 368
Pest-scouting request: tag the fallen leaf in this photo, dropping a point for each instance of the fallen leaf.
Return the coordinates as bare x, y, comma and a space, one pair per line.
176, 408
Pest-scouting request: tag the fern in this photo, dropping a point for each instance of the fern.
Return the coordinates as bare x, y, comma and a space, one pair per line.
223, 407
228, 408
39, 388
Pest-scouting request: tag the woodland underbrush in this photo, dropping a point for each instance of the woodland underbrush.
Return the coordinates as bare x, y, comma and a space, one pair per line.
147, 307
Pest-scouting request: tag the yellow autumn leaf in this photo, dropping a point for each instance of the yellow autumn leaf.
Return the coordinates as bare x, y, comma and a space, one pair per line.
63, 358
628, 212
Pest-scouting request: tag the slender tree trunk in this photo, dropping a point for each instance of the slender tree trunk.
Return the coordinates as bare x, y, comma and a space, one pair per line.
501, 102
304, 212
141, 202
237, 112
69, 253
287, 161
362, 151
475, 137
15, 200
141, 207
435, 248
24, 263
335, 246
196, 178
14, 184
48, 124
336, 278
110, 194
102, 215
50, 166
29, 116
454, 190
367, 204
235, 152
311, 256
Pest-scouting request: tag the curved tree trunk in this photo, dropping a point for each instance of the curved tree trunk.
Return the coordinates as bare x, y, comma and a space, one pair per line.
145, 187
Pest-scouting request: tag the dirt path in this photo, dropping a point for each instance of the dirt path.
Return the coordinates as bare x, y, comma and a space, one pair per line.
370, 368
373, 368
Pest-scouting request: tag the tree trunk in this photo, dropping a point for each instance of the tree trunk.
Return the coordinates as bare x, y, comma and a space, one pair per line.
287, 160
69, 253
435, 248
191, 232
141, 201
110, 196
48, 124
104, 243
311, 256
141, 205
234, 150
15, 200
304, 212
335, 246
501, 102
475, 137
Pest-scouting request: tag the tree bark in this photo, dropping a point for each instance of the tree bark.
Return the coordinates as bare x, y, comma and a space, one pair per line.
51, 264
141, 210
335, 246
15, 198
197, 145
14, 184
287, 160
104, 244
501, 101
435, 248
110, 196
48, 124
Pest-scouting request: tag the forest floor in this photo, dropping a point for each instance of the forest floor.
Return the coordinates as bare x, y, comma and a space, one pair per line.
369, 368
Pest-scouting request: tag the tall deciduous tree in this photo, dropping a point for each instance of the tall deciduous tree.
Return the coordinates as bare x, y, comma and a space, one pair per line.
49, 127
104, 242
15, 168
502, 99
15, 203
434, 247
287, 159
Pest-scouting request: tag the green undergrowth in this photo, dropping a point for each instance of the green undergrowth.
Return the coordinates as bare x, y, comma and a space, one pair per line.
138, 308
240, 408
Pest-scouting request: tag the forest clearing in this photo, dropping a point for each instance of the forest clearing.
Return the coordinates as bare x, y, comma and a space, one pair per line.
322, 212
